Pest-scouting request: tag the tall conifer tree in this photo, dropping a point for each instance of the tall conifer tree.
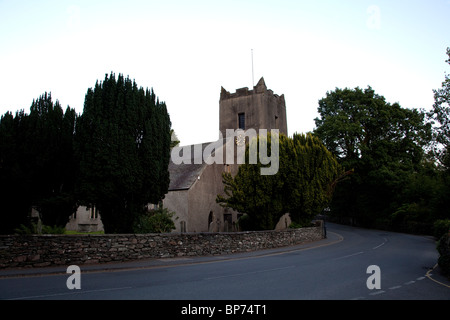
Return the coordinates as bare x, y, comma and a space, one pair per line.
14, 178
50, 143
37, 167
123, 147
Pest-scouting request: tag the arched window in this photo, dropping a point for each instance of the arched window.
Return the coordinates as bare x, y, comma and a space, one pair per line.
210, 218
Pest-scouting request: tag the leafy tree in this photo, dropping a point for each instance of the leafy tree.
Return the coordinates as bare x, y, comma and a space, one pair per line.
174, 139
382, 142
302, 185
440, 117
441, 114
123, 148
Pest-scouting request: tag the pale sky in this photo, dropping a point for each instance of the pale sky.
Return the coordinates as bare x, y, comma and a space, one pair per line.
187, 50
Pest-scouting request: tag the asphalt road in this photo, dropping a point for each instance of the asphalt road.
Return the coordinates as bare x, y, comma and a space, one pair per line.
332, 269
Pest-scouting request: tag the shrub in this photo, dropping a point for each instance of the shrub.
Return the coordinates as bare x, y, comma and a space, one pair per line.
443, 248
305, 223
26, 229
37, 228
441, 227
53, 230
155, 221
245, 223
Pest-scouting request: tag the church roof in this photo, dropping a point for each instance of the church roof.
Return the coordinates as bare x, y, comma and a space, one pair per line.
183, 176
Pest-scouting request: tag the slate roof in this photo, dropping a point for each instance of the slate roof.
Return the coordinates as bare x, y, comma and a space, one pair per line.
183, 176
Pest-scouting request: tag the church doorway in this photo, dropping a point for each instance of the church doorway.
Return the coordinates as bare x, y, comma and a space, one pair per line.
210, 221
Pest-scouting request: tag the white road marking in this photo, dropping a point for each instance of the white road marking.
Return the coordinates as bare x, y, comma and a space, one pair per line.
350, 255
394, 287
377, 292
246, 273
385, 240
69, 293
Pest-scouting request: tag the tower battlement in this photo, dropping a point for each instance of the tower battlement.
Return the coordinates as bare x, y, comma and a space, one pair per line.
258, 109
259, 88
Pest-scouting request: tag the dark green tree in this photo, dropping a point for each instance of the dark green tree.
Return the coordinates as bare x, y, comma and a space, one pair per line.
440, 118
15, 181
37, 167
254, 194
313, 173
382, 142
50, 144
440, 115
123, 148
302, 186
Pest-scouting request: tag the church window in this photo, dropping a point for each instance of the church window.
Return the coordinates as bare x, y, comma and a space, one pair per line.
183, 226
241, 117
228, 222
94, 213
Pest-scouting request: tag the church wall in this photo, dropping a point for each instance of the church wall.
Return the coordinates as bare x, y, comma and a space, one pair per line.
176, 201
205, 214
262, 109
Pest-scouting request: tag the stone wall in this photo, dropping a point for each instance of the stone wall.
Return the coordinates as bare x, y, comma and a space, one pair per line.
53, 250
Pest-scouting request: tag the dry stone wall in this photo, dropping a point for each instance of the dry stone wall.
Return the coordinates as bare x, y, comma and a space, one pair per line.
53, 250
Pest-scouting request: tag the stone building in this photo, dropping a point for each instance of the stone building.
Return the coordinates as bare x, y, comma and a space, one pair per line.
196, 182
85, 220
194, 186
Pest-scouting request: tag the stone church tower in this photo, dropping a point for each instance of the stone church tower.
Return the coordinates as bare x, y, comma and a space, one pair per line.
258, 109
196, 182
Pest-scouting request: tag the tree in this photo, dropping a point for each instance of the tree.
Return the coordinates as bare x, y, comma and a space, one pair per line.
123, 148
313, 173
302, 185
441, 114
15, 182
37, 167
50, 144
382, 142
174, 139
254, 194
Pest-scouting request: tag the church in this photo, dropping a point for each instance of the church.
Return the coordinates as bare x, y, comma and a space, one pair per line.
196, 181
